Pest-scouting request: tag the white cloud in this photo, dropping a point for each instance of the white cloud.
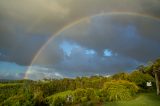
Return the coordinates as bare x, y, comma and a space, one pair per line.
41, 72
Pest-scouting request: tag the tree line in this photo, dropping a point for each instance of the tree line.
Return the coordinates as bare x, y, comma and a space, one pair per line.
87, 90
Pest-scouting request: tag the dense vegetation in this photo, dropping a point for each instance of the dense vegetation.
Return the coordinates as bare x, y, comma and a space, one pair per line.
81, 90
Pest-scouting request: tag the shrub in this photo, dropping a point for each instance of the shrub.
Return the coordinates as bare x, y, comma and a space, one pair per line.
59, 99
18, 100
118, 90
8, 90
39, 98
84, 99
85, 95
90, 93
140, 79
78, 94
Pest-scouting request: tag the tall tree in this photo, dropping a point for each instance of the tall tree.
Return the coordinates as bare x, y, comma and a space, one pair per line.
156, 70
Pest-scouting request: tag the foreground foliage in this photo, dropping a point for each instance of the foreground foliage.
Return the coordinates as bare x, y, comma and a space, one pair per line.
81, 90
119, 90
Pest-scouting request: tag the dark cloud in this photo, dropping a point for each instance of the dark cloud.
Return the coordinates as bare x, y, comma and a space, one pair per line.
25, 26
51, 54
22, 20
124, 35
81, 64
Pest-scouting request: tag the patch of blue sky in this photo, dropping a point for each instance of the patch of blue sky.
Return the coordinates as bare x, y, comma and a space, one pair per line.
68, 47
11, 68
107, 53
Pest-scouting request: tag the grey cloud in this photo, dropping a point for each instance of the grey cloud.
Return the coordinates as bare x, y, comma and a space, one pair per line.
22, 19
126, 34
25, 26
80, 64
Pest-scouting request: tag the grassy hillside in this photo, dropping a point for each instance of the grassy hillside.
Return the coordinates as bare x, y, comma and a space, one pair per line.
145, 99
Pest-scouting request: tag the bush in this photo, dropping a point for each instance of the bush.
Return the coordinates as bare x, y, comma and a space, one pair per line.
59, 99
90, 93
78, 94
84, 99
18, 100
118, 90
8, 90
39, 98
141, 79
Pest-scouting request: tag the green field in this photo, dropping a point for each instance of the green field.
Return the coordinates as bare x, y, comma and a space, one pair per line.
145, 99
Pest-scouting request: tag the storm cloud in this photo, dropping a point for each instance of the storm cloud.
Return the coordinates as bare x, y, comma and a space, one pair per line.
26, 25
126, 38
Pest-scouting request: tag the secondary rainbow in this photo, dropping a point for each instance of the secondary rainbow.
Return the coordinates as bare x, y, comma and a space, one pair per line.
79, 21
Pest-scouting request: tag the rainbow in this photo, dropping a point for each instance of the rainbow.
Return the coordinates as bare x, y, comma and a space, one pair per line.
79, 21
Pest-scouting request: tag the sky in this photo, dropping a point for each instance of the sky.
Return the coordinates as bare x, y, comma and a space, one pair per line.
81, 37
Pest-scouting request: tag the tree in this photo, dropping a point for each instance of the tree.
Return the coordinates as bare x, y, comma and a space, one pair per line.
156, 70
121, 76
140, 79
141, 68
